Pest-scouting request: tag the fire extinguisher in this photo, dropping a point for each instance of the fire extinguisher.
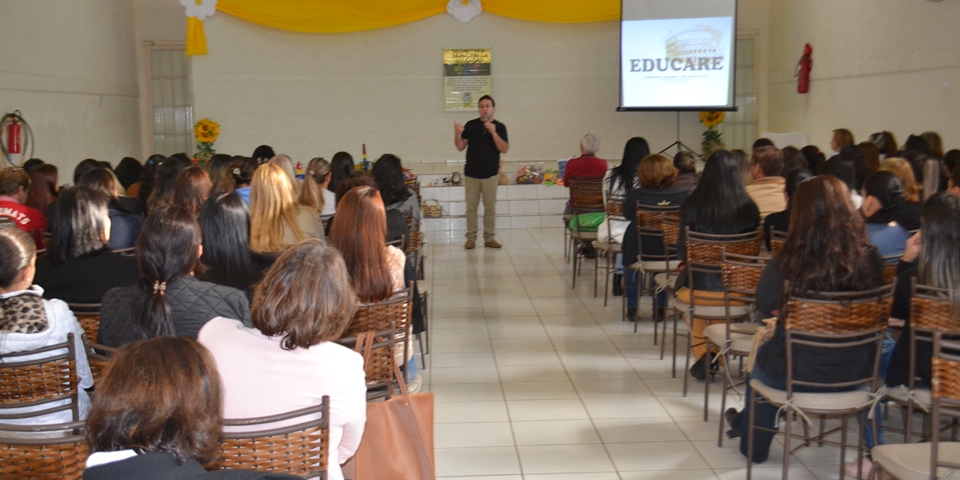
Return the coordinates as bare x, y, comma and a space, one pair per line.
18, 135
803, 70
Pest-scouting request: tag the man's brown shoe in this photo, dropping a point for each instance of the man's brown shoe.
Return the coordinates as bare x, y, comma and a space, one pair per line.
491, 244
470, 245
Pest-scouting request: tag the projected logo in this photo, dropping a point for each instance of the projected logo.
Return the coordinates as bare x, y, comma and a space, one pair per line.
699, 49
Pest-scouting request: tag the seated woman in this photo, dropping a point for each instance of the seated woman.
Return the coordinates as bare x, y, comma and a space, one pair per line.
396, 225
286, 164
909, 218
218, 168
276, 221
43, 190
167, 300
125, 224
227, 258
289, 361
165, 183
242, 170
719, 205
827, 250
387, 172
657, 189
780, 221
157, 415
341, 167
28, 322
78, 266
315, 193
932, 257
882, 204
192, 188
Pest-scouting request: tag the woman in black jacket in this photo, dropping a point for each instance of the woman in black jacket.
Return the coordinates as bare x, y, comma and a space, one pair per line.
719, 205
125, 220
78, 266
827, 250
167, 300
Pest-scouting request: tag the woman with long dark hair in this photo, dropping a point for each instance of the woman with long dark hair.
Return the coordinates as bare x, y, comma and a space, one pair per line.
827, 250
124, 223
144, 187
43, 190
387, 172
167, 300
622, 179
341, 166
78, 266
780, 221
218, 167
227, 259
883, 202
719, 205
191, 189
165, 183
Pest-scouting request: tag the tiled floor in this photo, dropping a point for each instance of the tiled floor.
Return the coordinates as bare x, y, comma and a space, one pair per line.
534, 380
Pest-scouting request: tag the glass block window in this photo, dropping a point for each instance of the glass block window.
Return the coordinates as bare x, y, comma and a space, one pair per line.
740, 127
172, 101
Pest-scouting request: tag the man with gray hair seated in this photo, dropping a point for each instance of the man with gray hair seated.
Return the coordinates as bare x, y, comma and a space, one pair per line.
587, 164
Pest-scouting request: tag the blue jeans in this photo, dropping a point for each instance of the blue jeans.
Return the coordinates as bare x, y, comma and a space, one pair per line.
631, 279
765, 415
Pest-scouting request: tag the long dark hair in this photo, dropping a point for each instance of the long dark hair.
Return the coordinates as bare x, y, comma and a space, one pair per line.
341, 167
218, 167
225, 223
80, 227
43, 187
622, 177
888, 190
128, 171
827, 248
720, 203
388, 174
165, 183
939, 261
149, 176
166, 250
358, 234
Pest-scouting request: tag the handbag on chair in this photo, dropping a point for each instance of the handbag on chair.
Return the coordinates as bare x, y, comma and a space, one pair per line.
398, 438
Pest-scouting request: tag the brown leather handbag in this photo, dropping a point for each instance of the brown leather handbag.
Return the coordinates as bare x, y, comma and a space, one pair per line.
397, 441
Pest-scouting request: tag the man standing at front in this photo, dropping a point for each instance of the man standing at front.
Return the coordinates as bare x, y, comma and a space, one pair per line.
485, 139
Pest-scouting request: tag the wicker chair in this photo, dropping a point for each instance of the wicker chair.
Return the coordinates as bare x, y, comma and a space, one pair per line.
395, 312
98, 357
42, 383
826, 322
609, 248
586, 196
379, 361
650, 227
88, 314
59, 451
777, 239
300, 449
930, 312
890, 268
665, 281
741, 274
934, 459
705, 257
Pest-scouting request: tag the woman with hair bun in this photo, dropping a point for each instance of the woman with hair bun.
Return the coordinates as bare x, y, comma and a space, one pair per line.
242, 170
29, 322
315, 193
167, 300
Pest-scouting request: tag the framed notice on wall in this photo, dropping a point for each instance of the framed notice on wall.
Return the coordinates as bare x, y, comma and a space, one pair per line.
466, 78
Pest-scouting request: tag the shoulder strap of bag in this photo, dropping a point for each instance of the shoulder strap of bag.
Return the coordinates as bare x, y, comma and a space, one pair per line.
364, 345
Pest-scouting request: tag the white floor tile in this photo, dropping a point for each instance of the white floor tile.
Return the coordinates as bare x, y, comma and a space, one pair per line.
476, 461
493, 434
564, 458
555, 432
568, 409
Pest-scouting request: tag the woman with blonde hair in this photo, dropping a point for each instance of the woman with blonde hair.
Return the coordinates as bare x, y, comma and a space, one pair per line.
286, 163
276, 221
909, 217
315, 193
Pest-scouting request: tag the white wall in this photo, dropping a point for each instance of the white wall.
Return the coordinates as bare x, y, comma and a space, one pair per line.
877, 65
70, 68
312, 94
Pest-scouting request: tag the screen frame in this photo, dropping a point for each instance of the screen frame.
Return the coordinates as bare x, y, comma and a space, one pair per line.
732, 92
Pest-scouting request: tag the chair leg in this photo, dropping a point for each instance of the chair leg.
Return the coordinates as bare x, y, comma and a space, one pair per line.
686, 368
723, 403
751, 414
843, 445
786, 442
596, 269
675, 320
706, 390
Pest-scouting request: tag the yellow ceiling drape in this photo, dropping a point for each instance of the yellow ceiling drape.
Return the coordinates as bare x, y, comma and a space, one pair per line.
341, 16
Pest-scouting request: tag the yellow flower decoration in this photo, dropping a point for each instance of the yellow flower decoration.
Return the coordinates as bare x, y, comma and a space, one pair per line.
711, 118
206, 130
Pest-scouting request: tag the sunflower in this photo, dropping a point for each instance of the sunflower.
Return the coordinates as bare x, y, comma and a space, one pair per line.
206, 130
711, 118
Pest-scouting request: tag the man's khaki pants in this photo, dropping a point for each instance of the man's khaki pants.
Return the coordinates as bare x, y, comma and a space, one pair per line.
474, 188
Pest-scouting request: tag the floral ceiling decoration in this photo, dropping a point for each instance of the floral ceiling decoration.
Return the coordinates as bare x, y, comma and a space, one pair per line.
464, 10
342, 16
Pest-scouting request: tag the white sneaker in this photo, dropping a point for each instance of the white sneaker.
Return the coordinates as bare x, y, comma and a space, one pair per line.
414, 386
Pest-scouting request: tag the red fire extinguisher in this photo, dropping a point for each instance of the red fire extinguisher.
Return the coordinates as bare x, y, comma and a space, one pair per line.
14, 130
803, 70
19, 138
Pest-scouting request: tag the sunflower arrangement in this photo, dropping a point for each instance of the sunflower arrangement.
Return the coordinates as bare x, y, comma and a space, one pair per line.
206, 131
712, 137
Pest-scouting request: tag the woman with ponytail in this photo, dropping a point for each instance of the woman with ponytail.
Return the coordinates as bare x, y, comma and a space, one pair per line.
315, 193
167, 300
